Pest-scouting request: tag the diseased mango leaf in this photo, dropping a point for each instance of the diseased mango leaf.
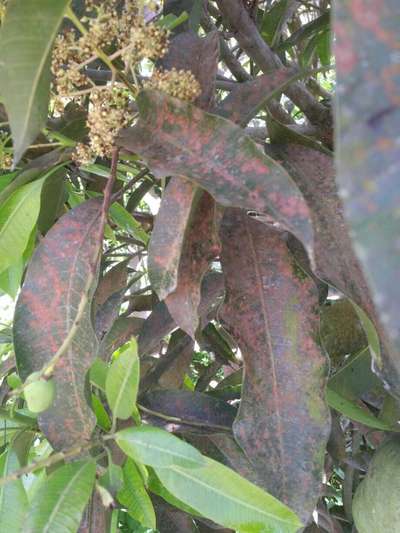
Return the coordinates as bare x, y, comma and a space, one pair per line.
182, 239
26, 40
271, 309
199, 248
191, 407
243, 103
335, 259
171, 520
62, 499
177, 138
368, 115
108, 298
168, 235
65, 260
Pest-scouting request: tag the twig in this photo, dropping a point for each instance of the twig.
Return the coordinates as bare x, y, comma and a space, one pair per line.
49, 461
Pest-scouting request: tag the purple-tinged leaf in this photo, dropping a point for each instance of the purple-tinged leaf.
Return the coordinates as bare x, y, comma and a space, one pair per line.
200, 246
55, 291
271, 309
121, 331
177, 138
368, 116
191, 407
243, 103
335, 259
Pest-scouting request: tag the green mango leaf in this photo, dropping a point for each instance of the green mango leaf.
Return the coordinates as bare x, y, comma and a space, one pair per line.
13, 499
122, 382
219, 493
350, 409
273, 21
18, 216
98, 374
157, 448
26, 40
102, 418
58, 504
134, 496
125, 221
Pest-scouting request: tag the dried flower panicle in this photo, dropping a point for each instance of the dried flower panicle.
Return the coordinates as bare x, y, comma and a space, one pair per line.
178, 83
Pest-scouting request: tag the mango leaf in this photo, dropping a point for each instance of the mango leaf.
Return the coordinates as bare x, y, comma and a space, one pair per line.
175, 137
13, 499
199, 248
53, 198
244, 102
367, 122
167, 238
126, 221
350, 408
108, 298
26, 40
271, 309
321, 23
157, 448
335, 259
218, 493
102, 417
59, 503
274, 20
192, 407
18, 216
122, 382
134, 496
171, 520
66, 259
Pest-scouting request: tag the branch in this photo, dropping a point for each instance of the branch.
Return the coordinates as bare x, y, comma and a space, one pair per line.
250, 40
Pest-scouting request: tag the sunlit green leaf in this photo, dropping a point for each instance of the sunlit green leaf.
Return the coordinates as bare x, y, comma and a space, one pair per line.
26, 40
13, 499
158, 448
58, 505
122, 382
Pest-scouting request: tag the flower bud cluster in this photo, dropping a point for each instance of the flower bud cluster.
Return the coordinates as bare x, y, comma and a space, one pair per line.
178, 83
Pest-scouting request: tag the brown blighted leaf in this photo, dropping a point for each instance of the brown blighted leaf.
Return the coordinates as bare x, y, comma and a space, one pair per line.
177, 138
367, 51
55, 286
108, 298
187, 51
160, 323
122, 330
271, 309
172, 520
335, 259
243, 103
199, 248
191, 407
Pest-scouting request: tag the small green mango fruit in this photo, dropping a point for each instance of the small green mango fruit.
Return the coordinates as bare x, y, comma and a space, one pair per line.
376, 507
39, 393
